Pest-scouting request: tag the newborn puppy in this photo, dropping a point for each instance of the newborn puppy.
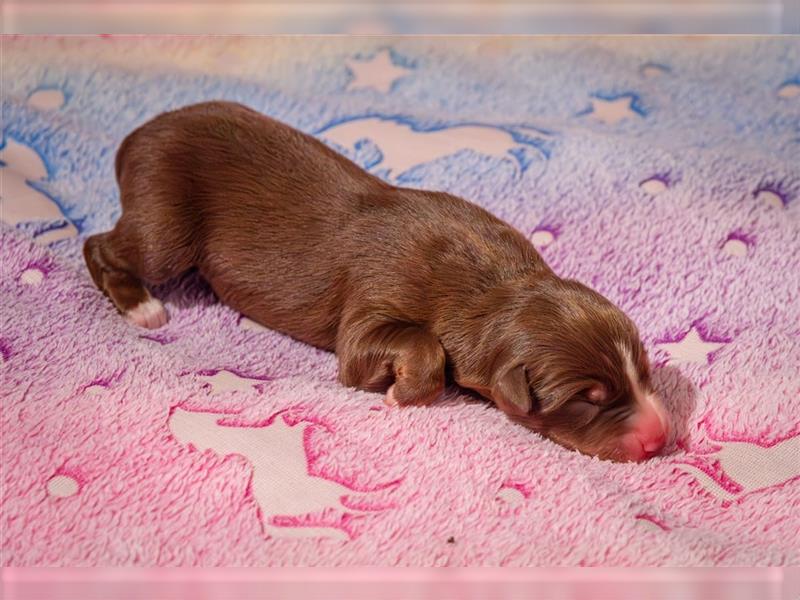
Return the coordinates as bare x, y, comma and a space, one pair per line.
404, 285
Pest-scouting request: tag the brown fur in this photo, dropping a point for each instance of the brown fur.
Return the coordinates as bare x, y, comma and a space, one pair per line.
402, 284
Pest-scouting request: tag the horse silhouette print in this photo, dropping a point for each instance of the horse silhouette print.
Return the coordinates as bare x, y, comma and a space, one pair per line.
21, 165
405, 144
737, 468
281, 484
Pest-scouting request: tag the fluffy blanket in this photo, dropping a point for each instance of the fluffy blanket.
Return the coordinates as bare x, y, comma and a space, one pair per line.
663, 172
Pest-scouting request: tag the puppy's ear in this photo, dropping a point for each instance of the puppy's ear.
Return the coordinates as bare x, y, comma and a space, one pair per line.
512, 393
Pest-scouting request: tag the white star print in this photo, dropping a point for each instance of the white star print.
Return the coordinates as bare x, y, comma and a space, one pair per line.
378, 73
226, 381
692, 348
612, 112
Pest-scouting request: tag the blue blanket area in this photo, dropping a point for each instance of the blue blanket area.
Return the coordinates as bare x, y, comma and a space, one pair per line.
685, 96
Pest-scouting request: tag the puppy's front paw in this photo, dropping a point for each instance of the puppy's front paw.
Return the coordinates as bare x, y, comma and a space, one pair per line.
150, 314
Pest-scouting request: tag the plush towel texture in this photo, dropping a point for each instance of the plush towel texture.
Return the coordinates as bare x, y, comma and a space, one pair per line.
665, 173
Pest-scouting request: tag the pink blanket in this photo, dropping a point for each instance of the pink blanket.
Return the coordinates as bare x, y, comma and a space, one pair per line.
661, 173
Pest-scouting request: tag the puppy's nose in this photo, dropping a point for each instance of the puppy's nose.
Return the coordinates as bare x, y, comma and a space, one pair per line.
646, 439
651, 437
638, 446
654, 445
651, 430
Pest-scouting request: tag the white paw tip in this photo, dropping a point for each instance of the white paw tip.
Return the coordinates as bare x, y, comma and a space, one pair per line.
389, 399
150, 314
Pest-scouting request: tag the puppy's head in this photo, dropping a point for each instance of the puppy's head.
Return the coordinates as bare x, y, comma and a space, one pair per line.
571, 366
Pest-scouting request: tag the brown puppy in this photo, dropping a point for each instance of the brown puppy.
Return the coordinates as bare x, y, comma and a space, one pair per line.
402, 284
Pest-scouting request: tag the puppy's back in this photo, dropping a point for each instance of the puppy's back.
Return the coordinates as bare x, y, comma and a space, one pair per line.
257, 206
289, 232
228, 147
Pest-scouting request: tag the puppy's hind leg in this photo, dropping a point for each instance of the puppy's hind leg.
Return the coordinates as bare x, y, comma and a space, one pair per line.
116, 279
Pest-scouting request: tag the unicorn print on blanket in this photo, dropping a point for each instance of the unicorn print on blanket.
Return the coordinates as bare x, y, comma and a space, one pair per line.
404, 143
736, 468
281, 483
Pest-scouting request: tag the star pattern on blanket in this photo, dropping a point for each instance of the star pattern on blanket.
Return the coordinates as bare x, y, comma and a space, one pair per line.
691, 348
612, 111
224, 380
379, 73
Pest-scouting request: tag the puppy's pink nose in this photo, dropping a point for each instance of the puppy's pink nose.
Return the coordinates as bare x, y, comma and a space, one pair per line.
651, 435
638, 448
654, 445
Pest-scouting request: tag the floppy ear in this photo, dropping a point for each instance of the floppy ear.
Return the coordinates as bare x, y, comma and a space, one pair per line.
512, 393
